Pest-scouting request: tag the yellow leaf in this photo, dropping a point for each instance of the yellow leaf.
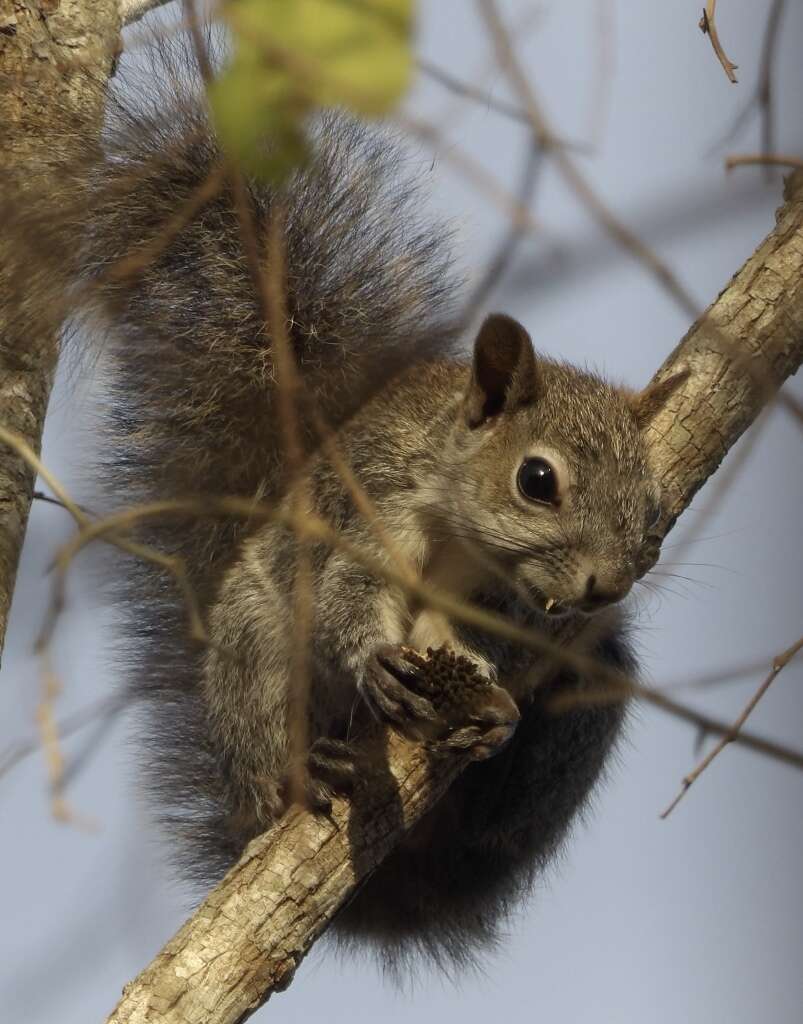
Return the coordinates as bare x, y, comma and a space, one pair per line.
294, 55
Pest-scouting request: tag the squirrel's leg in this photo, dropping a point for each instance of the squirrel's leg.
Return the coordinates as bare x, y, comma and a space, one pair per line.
364, 626
363, 623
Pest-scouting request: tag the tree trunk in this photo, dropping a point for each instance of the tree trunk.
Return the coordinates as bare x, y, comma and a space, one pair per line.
53, 53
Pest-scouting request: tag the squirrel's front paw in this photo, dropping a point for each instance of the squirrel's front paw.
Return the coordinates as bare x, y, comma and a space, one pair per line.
388, 687
481, 716
442, 698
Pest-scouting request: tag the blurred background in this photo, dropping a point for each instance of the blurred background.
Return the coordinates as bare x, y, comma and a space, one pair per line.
698, 918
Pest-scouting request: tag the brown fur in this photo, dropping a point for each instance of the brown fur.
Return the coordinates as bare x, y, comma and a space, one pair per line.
436, 444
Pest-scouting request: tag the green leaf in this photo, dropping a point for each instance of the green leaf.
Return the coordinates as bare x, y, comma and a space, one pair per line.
257, 120
292, 56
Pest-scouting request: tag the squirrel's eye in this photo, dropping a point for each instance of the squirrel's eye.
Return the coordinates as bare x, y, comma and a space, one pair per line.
538, 481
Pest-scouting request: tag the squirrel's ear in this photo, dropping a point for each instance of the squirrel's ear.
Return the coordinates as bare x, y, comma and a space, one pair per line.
503, 373
647, 403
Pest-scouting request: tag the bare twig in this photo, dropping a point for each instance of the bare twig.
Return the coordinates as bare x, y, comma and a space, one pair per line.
47, 499
543, 132
717, 677
288, 390
605, 67
659, 698
473, 93
506, 250
170, 563
102, 710
473, 171
133, 10
708, 27
763, 94
768, 159
779, 663
51, 746
619, 686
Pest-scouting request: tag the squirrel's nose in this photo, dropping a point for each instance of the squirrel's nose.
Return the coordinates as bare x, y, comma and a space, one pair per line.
599, 593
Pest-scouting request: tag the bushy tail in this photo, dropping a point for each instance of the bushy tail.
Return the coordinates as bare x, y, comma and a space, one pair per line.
189, 361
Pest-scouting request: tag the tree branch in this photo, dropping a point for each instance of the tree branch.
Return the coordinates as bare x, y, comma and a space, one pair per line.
250, 934
51, 58
134, 10
739, 353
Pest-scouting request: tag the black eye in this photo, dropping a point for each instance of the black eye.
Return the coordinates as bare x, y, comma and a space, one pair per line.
538, 481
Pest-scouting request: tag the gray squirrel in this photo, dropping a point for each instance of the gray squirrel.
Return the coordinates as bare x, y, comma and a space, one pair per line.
511, 480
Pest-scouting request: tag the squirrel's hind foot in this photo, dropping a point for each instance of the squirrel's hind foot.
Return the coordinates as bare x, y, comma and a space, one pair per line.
331, 769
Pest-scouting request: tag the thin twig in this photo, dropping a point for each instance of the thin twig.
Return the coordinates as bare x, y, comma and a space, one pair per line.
604, 71
473, 93
171, 564
708, 27
779, 663
717, 677
763, 94
473, 171
49, 739
506, 250
765, 79
543, 132
659, 698
100, 710
133, 10
769, 159
49, 500
288, 390
618, 686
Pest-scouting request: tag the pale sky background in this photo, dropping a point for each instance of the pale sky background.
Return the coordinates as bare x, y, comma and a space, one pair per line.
697, 919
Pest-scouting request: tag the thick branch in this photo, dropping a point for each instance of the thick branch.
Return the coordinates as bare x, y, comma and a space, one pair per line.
51, 57
251, 933
248, 937
739, 353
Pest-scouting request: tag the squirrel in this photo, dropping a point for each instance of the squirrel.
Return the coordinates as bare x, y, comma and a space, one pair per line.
512, 480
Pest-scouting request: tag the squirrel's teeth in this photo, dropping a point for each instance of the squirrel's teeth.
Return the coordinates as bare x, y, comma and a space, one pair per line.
549, 602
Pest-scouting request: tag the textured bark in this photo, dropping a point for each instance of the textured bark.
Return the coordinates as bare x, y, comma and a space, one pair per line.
248, 937
739, 353
52, 53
